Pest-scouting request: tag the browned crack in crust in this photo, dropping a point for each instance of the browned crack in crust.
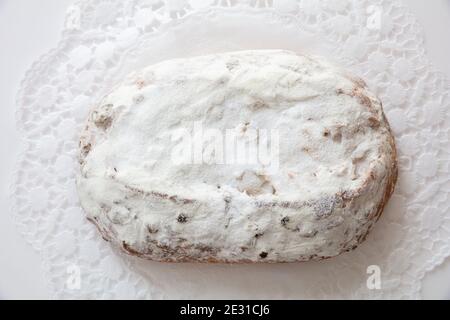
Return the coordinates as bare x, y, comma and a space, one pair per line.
130, 250
104, 233
85, 144
359, 92
160, 195
359, 82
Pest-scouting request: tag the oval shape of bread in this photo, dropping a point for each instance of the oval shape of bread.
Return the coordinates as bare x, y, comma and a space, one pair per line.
332, 172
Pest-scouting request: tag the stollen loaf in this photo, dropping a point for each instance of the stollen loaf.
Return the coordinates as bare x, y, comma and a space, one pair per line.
247, 156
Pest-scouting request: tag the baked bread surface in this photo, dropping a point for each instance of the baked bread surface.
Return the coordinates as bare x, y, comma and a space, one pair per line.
336, 161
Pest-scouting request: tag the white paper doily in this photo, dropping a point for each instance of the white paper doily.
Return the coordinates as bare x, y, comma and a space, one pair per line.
104, 40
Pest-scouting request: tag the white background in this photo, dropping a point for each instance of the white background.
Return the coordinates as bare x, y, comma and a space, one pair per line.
28, 29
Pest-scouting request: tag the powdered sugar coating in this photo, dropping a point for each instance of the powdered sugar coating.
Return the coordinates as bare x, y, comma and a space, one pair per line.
337, 164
